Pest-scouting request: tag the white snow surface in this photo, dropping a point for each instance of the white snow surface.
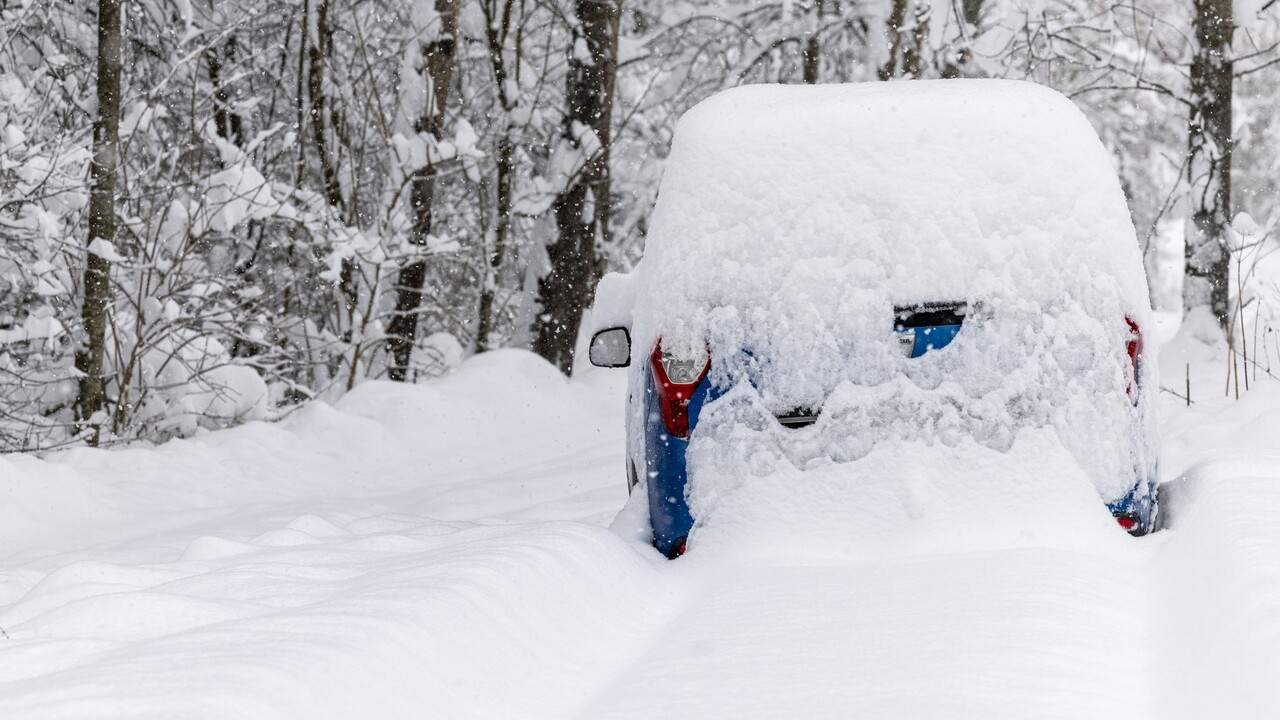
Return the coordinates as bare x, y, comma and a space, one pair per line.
791, 220
441, 551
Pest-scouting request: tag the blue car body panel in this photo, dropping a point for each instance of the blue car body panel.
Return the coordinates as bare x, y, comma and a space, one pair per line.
933, 338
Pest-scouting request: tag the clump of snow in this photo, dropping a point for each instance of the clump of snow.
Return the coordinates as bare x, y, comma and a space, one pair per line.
438, 352
234, 196
189, 379
1248, 13
615, 299
105, 249
792, 220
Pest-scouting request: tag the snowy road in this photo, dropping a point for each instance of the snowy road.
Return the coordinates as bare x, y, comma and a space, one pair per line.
996, 634
1184, 625
442, 552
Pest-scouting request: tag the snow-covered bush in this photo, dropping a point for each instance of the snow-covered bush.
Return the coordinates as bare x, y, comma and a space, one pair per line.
1254, 330
42, 193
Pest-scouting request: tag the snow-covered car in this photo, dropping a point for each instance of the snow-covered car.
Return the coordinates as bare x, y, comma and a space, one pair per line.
830, 268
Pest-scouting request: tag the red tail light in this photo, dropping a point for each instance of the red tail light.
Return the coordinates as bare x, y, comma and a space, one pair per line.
675, 379
679, 547
1128, 521
1134, 349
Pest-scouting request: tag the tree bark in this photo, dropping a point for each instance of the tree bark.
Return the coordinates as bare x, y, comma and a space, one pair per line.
567, 289
229, 124
907, 45
913, 56
897, 21
318, 48
402, 331
497, 29
102, 215
501, 231
812, 54
1209, 163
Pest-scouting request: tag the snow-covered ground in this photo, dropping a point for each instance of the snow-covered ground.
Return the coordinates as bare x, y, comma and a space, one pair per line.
443, 551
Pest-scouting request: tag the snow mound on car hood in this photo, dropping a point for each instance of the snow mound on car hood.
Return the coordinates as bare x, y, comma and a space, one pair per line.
792, 220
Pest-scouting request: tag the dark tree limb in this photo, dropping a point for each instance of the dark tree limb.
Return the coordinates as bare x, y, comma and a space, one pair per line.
1209, 167
402, 331
568, 287
102, 216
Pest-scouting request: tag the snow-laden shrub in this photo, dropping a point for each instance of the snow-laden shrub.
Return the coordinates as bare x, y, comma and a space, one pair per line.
1254, 327
42, 193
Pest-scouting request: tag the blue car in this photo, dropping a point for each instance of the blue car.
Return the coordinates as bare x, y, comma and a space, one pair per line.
875, 264
676, 390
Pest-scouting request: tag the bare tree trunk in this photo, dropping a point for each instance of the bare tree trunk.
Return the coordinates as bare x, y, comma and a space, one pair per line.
102, 214
317, 57
402, 331
913, 56
907, 45
501, 231
813, 46
1209, 167
582, 209
497, 29
229, 124
894, 30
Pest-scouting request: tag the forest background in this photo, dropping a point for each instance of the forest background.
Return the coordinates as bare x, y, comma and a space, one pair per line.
213, 211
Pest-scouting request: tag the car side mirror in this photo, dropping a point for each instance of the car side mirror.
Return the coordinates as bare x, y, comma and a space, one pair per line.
611, 348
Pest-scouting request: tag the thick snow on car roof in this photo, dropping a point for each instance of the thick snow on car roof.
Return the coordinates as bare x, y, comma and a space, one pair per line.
935, 183
792, 220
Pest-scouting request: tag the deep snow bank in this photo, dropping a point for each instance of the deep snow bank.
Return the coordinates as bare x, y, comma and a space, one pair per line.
1217, 573
1218, 578
456, 445
409, 552
381, 617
